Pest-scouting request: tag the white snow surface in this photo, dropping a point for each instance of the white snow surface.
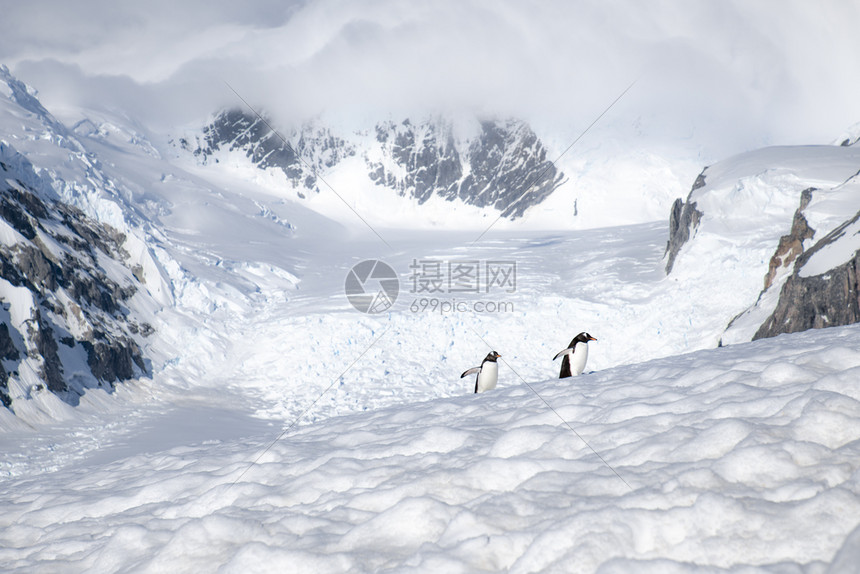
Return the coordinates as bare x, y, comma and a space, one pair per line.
741, 459
283, 431
834, 254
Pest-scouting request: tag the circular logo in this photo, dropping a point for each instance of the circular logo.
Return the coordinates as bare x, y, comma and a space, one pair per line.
372, 286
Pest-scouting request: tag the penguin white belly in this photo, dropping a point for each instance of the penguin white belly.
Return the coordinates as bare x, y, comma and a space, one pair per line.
488, 377
578, 358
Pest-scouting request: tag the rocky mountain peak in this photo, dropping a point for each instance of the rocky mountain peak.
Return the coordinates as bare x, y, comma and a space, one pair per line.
683, 220
802, 201
301, 154
504, 166
68, 286
501, 164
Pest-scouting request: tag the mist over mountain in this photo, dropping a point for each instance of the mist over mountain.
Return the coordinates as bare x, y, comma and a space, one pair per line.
501, 164
725, 77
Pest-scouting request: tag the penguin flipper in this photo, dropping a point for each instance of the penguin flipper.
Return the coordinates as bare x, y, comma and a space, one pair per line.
471, 371
567, 351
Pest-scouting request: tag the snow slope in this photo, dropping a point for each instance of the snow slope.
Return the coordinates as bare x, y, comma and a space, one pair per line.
742, 459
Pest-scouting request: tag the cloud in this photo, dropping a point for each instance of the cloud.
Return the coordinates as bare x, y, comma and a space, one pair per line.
726, 74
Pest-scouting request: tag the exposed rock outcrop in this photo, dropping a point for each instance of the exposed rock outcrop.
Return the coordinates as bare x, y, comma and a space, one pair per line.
791, 245
790, 256
828, 299
683, 221
502, 164
308, 151
65, 291
8, 352
426, 157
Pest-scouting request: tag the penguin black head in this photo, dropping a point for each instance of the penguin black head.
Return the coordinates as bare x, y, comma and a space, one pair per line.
581, 338
492, 357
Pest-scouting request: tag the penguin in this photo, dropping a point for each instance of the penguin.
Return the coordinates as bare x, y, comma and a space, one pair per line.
488, 373
574, 356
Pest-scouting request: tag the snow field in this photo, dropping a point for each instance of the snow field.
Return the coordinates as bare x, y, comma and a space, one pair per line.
275, 342
744, 456
284, 344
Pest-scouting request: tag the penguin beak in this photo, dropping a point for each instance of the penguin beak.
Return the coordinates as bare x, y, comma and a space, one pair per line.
590, 338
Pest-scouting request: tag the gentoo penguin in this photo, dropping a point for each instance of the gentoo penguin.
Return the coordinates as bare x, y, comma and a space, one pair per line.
488, 373
574, 356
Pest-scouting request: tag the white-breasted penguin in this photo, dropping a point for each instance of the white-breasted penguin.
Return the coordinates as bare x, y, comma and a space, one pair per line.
575, 356
488, 373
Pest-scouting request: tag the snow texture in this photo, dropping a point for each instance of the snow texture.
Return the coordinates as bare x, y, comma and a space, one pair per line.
743, 456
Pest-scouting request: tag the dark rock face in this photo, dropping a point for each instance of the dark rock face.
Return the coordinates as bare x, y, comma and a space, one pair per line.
791, 245
683, 221
113, 360
8, 352
307, 152
46, 349
7, 347
430, 161
17, 218
51, 277
826, 300
504, 167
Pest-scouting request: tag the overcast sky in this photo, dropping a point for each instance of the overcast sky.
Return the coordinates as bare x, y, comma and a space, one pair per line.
727, 74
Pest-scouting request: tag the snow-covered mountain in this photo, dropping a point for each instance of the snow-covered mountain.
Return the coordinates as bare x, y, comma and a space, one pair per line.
485, 163
313, 149
66, 286
192, 218
77, 293
502, 165
790, 217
